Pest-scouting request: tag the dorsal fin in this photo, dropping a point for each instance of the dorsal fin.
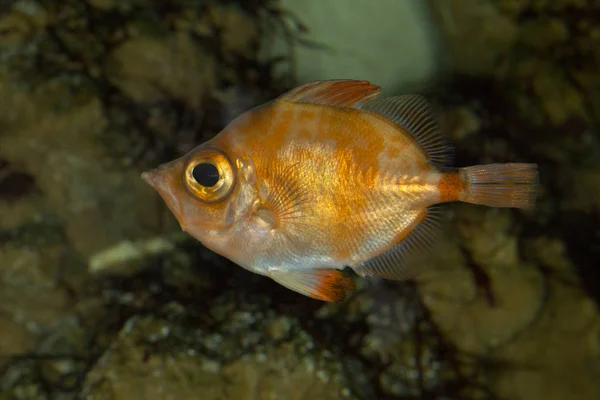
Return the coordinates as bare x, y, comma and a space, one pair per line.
413, 113
403, 260
338, 93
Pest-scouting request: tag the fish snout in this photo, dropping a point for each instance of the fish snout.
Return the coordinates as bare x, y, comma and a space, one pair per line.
160, 180
156, 179
152, 177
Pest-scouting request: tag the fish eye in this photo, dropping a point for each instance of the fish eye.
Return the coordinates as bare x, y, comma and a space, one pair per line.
209, 175
206, 174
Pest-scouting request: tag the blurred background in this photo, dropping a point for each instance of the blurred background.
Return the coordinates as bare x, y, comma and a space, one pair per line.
103, 297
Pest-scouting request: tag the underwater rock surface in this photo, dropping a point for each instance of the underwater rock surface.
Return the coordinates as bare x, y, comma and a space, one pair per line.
290, 370
532, 95
102, 296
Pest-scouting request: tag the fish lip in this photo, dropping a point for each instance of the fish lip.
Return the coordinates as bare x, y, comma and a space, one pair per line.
157, 179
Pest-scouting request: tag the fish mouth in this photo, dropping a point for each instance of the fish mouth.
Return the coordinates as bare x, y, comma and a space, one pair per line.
160, 180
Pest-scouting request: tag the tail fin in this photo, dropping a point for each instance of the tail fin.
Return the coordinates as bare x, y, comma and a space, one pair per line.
500, 185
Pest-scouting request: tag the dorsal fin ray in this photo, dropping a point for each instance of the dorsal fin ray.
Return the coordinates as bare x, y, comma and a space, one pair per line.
402, 261
337, 93
413, 112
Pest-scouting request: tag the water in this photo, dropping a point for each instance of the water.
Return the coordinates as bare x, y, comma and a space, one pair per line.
102, 295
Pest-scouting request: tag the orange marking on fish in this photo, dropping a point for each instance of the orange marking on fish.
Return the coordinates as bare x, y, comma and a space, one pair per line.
332, 286
285, 119
451, 187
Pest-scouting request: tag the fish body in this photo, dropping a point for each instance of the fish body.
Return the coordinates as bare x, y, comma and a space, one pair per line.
326, 177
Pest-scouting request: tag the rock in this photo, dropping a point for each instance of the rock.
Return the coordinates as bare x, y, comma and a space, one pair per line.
240, 32
24, 20
15, 340
148, 69
128, 257
476, 320
460, 123
582, 191
103, 5
490, 34
562, 346
544, 33
525, 317
128, 371
29, 295
75, 175
279, 328
559, 99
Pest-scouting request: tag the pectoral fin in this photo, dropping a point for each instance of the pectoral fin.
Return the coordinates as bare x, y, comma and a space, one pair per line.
321, 284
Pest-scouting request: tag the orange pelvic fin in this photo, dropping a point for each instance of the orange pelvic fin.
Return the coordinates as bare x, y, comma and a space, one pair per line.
500, 185
321, 284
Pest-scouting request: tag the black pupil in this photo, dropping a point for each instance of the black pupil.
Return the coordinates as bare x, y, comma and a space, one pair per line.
206, 174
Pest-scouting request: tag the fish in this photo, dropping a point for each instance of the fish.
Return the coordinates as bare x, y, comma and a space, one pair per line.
328, 176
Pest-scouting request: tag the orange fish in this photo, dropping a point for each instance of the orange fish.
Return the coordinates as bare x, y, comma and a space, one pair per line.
325, 177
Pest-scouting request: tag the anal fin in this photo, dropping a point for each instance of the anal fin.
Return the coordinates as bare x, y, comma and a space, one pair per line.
404, 259
321, 284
